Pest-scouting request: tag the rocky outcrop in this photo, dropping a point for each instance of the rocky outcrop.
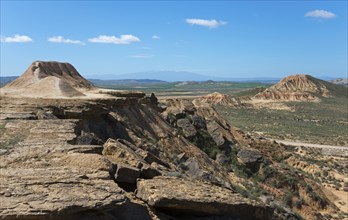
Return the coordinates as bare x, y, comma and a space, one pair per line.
216, 132
251, 158
301, 83
217, 127
179, 106
217, 98
41, 69
123, 155
130, 162
59, 140
210, 132
42, 176
56, 191
273, 94
98, 149
298, 87
198, 122
54, 78
187, 128
188, 197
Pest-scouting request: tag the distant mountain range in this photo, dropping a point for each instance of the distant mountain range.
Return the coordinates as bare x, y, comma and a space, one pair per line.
126, 81
6, 79
169, 76
180, 76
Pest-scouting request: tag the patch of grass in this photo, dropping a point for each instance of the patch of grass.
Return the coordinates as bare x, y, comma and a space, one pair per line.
11, 142
2, 127
252, 191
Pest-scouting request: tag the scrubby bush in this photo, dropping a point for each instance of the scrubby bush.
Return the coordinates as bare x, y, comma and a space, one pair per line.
205, 142
239, 169
288, 199
299, 203
171, 118
269, 172
308, 189
325, 173
345, 186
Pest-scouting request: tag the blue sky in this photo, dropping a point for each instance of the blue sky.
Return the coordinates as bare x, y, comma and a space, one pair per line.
220, 38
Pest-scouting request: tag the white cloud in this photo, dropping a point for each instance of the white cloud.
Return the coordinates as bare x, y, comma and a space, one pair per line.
155, 37
320, 14
206, 23
60, 39
142, 56
123, 39
16, 39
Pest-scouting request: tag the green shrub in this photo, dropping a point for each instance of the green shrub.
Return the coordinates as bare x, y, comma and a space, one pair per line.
316, 198
299, 203
308, 189
12, 141
239, 169
171, 118
288, 199
269, 172
2, 128
205, 142
325, 173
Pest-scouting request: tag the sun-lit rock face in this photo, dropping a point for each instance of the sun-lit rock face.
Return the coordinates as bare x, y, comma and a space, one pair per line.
301, 83
298, 87
48, 79
217, 98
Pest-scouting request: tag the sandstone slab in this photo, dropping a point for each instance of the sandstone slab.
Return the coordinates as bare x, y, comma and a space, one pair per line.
126, 174
251, 158
191, 197
39, 192
187, 128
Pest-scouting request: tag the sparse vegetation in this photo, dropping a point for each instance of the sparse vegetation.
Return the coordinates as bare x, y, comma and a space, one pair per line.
11, 139
299, 203
205, 142
11, 142
2, 127
194, 88
239, 169
288, 199
321, 123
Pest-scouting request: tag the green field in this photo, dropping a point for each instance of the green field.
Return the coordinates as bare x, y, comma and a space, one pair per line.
185, 88
325, 122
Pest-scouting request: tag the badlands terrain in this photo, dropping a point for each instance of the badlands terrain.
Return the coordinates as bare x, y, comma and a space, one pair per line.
70, 150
